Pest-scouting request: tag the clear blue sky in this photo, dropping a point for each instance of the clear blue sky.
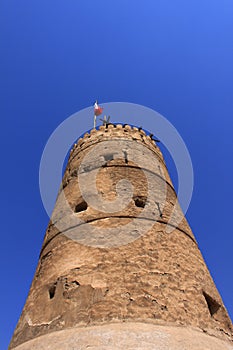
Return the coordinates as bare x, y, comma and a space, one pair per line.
57, 57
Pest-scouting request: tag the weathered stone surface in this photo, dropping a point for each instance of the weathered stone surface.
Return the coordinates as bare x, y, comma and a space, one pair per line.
120, 266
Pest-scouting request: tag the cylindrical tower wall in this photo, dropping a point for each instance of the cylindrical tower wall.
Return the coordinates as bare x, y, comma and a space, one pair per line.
119, 268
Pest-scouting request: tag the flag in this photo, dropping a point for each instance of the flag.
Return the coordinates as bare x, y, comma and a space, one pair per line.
97, 109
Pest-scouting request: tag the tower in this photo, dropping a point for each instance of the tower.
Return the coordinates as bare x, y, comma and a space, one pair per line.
114, 271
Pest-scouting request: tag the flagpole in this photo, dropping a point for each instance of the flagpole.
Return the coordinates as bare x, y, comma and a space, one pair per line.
97, 111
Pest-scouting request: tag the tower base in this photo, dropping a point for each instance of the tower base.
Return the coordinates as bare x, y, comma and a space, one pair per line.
127, 336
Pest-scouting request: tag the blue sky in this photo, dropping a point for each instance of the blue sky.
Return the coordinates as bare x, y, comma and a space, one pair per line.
57, 57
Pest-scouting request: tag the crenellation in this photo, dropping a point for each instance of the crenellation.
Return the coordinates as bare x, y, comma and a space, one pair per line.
131, 134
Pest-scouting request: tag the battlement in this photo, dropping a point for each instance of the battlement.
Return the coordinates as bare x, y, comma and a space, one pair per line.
114, 131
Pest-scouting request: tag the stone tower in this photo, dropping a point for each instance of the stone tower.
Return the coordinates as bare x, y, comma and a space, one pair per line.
114, 271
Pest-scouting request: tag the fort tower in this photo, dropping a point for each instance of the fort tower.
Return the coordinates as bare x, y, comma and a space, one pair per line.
118, 278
